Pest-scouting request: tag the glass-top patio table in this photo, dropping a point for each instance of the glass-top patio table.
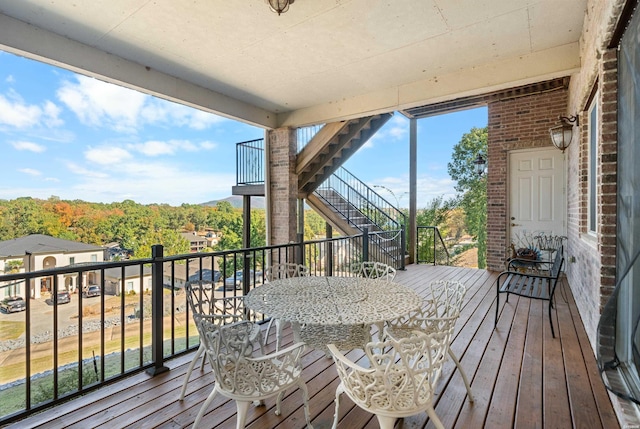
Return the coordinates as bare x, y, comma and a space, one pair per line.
338, 310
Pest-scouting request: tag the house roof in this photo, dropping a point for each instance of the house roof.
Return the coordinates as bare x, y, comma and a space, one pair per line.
322, 61
130, 271
40, 243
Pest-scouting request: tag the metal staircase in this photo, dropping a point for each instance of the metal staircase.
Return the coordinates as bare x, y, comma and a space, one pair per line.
338, 196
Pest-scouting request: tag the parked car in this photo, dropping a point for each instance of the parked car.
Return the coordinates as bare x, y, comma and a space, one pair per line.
63, 297
12, 304
235, 281
206, 274
92, 290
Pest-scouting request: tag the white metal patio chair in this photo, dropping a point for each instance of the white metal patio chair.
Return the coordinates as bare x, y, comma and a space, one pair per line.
244, 378
283, 270
400, 379
440, 312
218, 312
373, 270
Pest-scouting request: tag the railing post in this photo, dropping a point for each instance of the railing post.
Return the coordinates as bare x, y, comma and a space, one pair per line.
329, 253
403, 246
365, 244
434, 245
157, 312
300, 250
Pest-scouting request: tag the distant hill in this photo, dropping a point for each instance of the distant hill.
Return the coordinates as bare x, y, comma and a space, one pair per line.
236, 201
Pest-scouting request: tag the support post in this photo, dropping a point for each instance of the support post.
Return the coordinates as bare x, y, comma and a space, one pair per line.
413, 186
329, 254
157, 313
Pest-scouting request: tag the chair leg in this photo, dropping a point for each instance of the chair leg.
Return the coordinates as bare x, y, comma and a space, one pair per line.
242, 407
462, 373
339, 391
305, 400
196, 423
434, 418
190, 369
278, 402
386, 422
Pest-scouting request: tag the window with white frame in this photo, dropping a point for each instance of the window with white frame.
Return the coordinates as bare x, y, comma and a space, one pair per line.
592, 211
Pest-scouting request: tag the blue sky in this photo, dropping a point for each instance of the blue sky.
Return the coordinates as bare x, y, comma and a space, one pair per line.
75, 137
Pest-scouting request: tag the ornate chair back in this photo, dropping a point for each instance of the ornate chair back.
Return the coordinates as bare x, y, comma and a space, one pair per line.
244, 377
439, 313
217, 312
400, 378
285, 270
373, 270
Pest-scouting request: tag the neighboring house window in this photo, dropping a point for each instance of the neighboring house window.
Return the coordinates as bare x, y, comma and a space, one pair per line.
129, 286
593, 161
149, 284
72, 260
94, 258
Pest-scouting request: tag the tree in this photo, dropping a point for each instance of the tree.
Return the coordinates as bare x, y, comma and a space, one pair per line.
472, 188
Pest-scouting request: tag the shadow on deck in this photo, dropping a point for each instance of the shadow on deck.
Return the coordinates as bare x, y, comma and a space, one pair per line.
521, 376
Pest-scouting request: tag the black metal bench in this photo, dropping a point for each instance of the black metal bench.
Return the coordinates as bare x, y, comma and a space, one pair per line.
531, 285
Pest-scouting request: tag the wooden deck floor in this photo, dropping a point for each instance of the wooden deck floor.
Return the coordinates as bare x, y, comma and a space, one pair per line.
521, 377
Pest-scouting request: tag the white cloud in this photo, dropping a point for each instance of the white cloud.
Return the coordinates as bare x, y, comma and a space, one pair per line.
171, 147
107, 155
30, 171
10, 79
396, 129
428, 188
85, 172
156, 182
97, 103
208, 145
16, 113
28, 146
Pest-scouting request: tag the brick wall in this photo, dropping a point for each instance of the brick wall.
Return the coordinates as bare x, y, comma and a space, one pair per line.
283, 185
519, 123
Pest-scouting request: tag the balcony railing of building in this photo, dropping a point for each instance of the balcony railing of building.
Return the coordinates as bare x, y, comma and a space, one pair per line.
53, 351
250, 168
431, 247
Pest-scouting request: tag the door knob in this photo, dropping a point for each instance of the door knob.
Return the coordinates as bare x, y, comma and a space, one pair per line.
515, 224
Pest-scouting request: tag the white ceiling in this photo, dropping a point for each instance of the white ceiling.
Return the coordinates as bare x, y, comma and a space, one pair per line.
321, 61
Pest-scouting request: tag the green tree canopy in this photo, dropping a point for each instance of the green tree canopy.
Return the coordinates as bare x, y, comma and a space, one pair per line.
472, 188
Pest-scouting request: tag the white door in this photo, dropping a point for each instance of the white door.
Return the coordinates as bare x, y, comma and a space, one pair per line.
537, 193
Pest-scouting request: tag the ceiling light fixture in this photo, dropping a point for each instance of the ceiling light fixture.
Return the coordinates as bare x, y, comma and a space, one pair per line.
561, 135
279, 6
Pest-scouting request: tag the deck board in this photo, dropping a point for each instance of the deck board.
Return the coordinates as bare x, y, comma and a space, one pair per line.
520, 376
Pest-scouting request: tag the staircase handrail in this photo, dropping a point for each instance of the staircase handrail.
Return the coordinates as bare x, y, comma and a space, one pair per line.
372, 197
436, 237
305, 135
362, 204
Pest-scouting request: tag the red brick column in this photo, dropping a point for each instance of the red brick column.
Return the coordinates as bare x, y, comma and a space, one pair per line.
607, 173
283, 185
518, 123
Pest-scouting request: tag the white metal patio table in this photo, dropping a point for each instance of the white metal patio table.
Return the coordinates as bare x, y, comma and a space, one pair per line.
325, 310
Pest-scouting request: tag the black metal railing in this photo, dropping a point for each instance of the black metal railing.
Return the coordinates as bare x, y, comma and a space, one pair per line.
431, 247
305, 135
250, 169
360, 205
53, 351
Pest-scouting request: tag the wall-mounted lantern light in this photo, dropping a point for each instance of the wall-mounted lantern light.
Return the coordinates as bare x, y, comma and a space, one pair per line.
480, 164
562, 134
